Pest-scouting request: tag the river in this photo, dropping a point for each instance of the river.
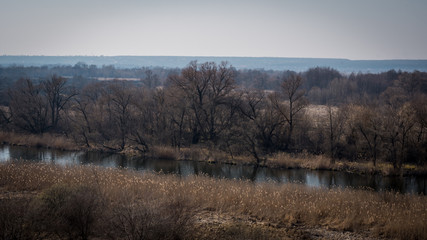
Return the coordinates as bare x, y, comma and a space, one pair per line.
313, 178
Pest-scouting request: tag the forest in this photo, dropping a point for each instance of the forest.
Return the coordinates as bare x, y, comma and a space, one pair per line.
251, 113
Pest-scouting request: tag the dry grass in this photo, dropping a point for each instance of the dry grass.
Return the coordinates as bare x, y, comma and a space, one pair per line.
164, 152
31, 140
303, 160
323, 162
293, 160
195, 153
134, 198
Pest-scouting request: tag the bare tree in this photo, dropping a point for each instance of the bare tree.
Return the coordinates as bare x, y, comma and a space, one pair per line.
261, 124
293, 105
368, 122
5, 117
84, 113
420, 141
28, 107
57, 96
151, 79
88, 113
336, 120
179, 116
396, 132
208, 89
120, 100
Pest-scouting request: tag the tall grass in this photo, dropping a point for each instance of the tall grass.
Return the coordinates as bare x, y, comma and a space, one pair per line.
45, 140
317, 162
141, 205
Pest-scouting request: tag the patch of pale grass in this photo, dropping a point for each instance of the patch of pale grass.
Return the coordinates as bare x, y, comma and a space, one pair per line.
164, 152
323, 162
45, 140
303, 160
195, 153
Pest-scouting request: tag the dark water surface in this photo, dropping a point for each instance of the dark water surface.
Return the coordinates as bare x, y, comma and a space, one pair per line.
314, 178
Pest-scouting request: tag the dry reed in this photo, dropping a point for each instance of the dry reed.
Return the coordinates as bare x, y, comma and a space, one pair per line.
45, 140
384, 214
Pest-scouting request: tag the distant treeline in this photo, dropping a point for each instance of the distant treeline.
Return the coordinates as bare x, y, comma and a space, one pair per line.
269, 63
359, 117
322, 85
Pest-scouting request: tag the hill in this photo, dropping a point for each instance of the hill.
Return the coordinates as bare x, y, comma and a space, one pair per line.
267, 63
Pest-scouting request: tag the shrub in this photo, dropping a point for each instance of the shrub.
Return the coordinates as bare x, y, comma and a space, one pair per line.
151, 219
13, 219
70, 211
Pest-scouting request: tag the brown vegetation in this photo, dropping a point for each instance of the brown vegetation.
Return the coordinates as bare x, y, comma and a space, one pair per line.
39, 201
205, 107
45, 140
304, 159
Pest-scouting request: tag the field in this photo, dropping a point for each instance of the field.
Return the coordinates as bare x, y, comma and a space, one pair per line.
39, 201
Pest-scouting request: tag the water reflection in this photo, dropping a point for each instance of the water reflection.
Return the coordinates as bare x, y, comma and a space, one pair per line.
328, 179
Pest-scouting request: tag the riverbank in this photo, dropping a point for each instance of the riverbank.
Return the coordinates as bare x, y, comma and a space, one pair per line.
44, 200
46, 140
195, 153
302, 160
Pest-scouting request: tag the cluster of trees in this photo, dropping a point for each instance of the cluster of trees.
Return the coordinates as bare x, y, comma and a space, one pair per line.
80, 74
322, 85
363, 117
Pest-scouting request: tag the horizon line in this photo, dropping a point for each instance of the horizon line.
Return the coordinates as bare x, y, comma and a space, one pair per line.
188, 56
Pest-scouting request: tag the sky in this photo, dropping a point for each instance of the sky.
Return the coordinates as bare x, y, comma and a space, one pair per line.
362, 29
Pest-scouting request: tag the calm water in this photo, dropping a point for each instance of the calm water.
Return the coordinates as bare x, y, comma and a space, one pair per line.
314, 178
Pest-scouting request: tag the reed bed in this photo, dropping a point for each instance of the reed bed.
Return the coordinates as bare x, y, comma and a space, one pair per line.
45, 140
323, 162
128, 196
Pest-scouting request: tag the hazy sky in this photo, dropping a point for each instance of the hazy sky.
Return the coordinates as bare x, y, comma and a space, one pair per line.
359, 29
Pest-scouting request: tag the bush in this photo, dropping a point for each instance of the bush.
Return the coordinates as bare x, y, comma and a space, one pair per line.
14, 216
69, 211
151, 219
